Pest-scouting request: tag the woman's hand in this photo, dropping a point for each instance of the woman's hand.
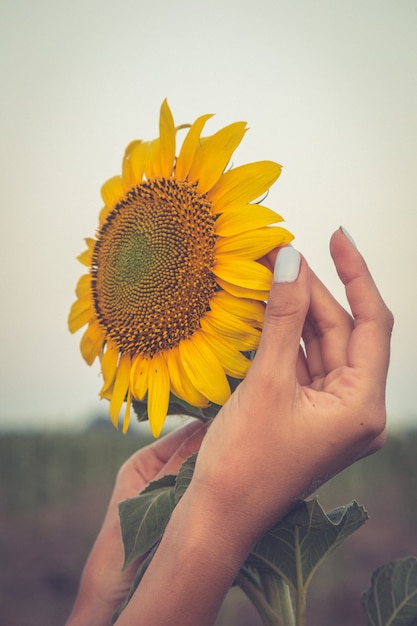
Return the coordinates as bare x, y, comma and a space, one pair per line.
104, 585
298, 418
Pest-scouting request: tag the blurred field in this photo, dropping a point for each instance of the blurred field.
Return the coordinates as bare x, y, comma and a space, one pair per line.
53, 494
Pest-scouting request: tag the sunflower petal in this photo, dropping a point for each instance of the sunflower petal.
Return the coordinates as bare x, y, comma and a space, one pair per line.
139, 376
133, 163
92, 342
204, 369
152, 165
81, 313
189, 147
181, 385
132, 146
243, 292
126, 417
255, 244
239, 218
167, 140
121, 386
246, 309
234, 362
244, 183
226, 325
209, 162
109, 367
113, 191
158, 393
83, 288
243, 272
86, 256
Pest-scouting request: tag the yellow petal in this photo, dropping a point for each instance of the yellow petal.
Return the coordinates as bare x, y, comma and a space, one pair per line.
244, 183
158, 393
181, 385
239, 218
81, 313
132, 168
251, 311
86, 256
241, 334
132, 146
242, 292
83, 288
204, 369
209, 162
254, 244
234, 362
152, 165
121, 386
126, 417
243, 272
109, 367
139, 376
167, 140
189, 147
113, 191
92, 342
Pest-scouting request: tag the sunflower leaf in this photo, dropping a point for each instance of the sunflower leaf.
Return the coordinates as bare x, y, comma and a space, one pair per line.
391, 599
176, 407
141, 409
143, 518
184, 477
296, 546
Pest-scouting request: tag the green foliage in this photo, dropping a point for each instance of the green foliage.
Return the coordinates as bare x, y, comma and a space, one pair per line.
286, 558
295, 547
290, 553
392, 598
143, 518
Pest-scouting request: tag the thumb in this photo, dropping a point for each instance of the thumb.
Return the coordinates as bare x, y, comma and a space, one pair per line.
285, 313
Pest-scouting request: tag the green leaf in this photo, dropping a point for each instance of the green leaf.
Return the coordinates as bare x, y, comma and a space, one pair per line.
184, 477
143, 518
295, 547
392, 598
176, 406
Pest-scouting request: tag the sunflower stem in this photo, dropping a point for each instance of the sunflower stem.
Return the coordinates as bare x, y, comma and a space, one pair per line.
278, 595
279, 612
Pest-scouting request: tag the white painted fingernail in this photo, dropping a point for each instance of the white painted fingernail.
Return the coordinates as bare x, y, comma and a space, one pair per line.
287, 265
348, 235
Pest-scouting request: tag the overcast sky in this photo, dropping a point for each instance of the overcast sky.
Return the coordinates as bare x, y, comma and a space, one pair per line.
328, 88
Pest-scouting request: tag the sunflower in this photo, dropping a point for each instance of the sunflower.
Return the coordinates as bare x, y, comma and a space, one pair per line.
174, 296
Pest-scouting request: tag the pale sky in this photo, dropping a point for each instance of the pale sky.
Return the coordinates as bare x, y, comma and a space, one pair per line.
328, 88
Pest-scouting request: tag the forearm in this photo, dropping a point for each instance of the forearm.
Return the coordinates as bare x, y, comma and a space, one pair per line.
192, 569
88, 609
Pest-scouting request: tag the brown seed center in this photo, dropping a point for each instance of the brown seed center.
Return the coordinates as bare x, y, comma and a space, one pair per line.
152, 266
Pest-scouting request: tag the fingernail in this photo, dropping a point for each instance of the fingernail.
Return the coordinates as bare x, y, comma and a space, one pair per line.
348, 235
287, 265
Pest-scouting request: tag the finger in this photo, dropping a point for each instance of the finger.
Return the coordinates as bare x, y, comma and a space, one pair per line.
328, 332
314, 361
190, 441
369, 347
285, 313
303, 373
159, 453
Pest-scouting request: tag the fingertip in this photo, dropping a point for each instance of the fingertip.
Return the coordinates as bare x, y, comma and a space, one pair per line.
348, 236
287, 265
341, 240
